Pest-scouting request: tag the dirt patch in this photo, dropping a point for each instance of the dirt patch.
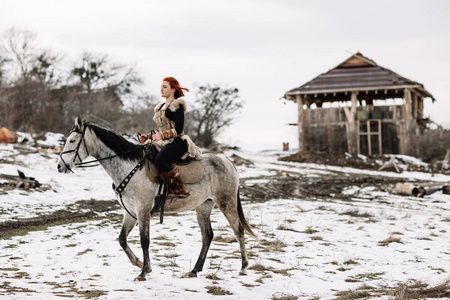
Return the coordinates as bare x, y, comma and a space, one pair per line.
359, 162
81, 210
290, 186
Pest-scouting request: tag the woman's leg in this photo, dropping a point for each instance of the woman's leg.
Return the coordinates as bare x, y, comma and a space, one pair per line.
170, 154
170, 175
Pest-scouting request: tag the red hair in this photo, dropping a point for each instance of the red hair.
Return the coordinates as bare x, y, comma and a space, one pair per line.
174, 84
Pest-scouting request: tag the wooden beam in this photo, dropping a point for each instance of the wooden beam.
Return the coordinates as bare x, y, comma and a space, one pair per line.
301, 135
408, 117
380, 139
369, 138
408, 104
415, 105
351, 128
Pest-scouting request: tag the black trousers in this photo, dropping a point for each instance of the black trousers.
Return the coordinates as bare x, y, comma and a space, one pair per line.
170, 154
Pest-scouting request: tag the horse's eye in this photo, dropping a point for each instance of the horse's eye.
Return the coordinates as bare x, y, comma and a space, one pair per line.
72, 141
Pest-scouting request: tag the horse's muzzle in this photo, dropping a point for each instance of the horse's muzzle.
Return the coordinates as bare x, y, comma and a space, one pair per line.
63, 168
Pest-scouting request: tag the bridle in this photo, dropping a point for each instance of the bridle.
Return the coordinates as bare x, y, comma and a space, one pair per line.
85, 164
77, 149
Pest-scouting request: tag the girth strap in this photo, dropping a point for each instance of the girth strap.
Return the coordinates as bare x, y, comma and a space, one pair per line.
160, 198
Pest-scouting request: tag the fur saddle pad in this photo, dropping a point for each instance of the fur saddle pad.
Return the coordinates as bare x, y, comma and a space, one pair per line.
190, 173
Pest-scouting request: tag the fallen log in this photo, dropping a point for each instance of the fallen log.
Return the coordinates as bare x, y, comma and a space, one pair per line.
408, 188
21, 181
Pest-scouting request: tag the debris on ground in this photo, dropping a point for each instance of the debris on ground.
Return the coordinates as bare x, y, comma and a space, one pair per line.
389, 162
239, 161
414, 189
7, 136
18, 181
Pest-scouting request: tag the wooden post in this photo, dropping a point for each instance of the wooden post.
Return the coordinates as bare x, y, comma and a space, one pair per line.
301, 135
415, 104
380, 139
369, 138
351, 129
408, 104
415, 127
407, 118
420, 107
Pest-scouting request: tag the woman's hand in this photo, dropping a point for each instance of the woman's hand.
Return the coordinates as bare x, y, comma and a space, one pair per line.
156, 136
143, 138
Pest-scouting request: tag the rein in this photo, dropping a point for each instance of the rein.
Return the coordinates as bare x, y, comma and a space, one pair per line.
82, 164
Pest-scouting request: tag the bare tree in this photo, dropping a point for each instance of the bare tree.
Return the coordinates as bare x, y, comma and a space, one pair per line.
44, 67
96, 71
19, 47
34, 98
106, 83
214, 109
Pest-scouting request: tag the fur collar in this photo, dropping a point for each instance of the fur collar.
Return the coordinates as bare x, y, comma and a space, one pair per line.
174, 105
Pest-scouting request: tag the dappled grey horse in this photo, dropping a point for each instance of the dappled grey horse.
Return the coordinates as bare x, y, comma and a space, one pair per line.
119, 156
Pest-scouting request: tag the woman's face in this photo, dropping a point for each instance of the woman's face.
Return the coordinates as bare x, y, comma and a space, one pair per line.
166, 90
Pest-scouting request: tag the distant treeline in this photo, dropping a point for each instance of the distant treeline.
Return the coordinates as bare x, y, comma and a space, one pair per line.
38, 92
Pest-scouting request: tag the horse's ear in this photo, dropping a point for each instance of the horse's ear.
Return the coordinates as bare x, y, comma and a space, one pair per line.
78, 122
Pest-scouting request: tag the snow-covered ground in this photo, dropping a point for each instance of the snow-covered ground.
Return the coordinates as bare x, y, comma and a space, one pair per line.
306, 249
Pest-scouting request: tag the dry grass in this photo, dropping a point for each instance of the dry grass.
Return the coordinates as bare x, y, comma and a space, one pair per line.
285, 228
263, 269
283, 296
309, 230
411, 289
355, 213
417, 290
224, 239
259, 268
217, 290
350, 262
389, 240
274, 245
213, 277
350, 295
166, 244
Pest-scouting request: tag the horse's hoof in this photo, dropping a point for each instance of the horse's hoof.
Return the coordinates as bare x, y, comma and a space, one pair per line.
243, 273
140, 278
190, 275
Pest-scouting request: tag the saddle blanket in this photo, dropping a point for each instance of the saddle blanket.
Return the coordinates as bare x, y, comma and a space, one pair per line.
191, 173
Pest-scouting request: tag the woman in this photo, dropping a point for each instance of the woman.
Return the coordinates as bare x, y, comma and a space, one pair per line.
169, 139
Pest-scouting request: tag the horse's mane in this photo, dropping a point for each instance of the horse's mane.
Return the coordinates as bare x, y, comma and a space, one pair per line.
123, 148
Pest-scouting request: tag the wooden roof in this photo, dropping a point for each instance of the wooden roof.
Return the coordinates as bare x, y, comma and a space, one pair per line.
361, 74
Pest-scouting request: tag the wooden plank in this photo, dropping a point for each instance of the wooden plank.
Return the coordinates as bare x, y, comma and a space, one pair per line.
369, 138
301, 134
351, 135
380, 143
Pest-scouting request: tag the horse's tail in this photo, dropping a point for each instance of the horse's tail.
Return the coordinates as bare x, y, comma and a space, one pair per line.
242, 220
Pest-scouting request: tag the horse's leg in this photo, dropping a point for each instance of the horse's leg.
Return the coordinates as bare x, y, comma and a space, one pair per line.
203, 218
228, 205
127, 225
144, 232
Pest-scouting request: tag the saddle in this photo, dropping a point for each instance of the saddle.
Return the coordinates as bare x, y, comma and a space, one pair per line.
191, 170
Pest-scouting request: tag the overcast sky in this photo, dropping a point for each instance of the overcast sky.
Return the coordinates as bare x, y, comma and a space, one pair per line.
262, 47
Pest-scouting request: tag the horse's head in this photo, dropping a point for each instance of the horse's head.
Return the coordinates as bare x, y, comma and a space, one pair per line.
75, 149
